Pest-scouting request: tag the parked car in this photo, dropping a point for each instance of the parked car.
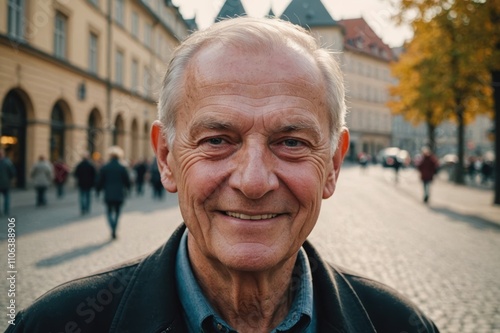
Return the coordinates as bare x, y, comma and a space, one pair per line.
389, 157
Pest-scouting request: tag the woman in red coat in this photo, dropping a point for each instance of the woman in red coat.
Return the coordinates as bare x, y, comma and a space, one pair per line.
428, 167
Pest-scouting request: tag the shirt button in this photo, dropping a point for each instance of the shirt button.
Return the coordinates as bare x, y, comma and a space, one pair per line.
219, 326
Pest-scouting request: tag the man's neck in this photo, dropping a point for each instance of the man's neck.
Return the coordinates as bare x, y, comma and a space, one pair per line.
247, 301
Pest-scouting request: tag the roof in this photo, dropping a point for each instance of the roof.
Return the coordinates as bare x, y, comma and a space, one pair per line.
191, 23
360, 37
271, 13
308, 13
231, 8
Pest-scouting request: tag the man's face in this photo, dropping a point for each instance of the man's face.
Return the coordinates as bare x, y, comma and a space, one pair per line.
251, 159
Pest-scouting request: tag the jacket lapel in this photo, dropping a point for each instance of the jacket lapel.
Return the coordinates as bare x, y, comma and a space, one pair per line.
339, 308
151, 303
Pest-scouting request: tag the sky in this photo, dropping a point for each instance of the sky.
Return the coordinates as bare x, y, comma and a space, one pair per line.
376, 12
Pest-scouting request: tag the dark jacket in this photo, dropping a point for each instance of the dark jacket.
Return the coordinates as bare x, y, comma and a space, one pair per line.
114, 180
141, 297
141, 169
85, 173
428, 167
7, 173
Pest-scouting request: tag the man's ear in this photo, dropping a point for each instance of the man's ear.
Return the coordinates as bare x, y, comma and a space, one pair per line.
163, 152
338, 158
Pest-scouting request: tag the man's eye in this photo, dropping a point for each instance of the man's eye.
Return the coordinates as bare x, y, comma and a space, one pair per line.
215, 141
291, 142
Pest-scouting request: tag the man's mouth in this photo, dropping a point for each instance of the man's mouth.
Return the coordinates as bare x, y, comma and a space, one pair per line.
251, 217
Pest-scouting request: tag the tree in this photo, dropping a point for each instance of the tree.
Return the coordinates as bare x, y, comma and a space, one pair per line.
418, 95
461, 60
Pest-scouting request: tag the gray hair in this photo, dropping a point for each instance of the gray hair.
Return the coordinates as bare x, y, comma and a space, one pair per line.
251, 34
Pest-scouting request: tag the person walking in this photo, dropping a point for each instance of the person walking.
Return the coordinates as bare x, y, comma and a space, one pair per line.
85, 174
140, 168
427, 167
7, 173
155, 178
114, 180
61, 172
42, 174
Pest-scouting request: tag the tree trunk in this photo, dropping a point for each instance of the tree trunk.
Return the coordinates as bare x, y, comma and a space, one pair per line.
459, 172
431, 129
496, 97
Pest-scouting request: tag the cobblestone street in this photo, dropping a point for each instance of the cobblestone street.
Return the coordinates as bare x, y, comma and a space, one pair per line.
444, 256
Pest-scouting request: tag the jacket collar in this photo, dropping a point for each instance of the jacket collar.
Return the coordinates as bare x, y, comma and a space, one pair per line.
339, 308
151, 303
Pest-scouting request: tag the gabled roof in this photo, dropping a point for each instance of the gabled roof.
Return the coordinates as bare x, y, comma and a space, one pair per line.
308, 13
360, 37
231, 8
271, 13
191, 23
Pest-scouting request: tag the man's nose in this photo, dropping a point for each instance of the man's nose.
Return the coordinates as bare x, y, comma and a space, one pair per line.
254, 174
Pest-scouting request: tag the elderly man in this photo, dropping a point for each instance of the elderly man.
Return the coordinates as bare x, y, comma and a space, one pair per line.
251, 135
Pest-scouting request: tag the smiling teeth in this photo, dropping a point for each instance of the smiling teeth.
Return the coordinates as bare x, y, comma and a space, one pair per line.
251, 217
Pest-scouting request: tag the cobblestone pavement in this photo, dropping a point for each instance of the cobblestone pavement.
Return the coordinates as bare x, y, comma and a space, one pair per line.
444, 255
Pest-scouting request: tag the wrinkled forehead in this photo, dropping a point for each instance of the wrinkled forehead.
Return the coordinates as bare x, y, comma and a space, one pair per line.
220, 63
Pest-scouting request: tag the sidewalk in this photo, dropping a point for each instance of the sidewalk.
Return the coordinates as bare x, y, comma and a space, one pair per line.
459, 201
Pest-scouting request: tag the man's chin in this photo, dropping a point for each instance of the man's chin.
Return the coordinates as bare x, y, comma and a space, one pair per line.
251, 257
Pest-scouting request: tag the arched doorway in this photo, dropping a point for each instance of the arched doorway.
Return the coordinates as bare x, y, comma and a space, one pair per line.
119, 131
145, 140
135, 140
57, 132
95, 134
13, 133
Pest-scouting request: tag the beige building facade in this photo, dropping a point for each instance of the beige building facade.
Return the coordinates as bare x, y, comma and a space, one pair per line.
79, 76
366, 61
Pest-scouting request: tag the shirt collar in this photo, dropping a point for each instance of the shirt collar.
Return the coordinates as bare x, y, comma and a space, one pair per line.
198, 310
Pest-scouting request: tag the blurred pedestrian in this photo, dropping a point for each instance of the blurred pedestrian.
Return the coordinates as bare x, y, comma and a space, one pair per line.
61, 172
42, 175
85, 174
7, 173
141, 168
471, 169
114, 180
427, 167
397, 165
486, 171
155, 178
363, 159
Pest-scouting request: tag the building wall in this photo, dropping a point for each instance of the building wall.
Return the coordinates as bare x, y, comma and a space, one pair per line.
367, 79
122, 111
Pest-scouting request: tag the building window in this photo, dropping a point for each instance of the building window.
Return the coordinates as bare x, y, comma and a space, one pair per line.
147, 34
147, 82
93, 53
119, 67
135, 25
16, 19
61, 23
119, 11
135, 75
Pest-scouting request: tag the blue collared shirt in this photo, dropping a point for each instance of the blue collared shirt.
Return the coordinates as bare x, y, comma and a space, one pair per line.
202, 318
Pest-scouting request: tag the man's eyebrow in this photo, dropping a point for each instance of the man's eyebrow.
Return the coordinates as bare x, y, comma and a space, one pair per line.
209, 123
302, 126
